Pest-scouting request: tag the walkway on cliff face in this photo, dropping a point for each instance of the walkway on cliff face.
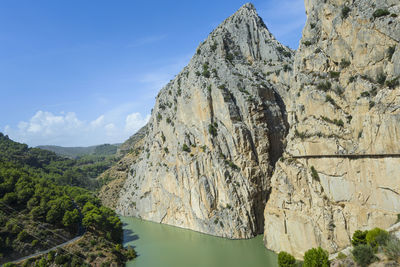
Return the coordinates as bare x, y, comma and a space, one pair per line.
350, 156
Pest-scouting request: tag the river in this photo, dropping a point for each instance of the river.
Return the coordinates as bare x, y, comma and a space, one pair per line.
159, 245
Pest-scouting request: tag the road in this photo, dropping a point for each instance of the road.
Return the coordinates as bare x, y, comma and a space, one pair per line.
48, 250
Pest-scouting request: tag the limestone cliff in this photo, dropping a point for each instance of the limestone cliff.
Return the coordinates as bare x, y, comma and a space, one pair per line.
113, 179
347, 101
215, 134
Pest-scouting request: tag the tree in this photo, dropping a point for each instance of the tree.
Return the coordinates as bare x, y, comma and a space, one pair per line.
316, 257
363, 255
377, 237
54, 215
92, 219
38, 213
286, 260
359, 238
23, 236
392, 248
71, 219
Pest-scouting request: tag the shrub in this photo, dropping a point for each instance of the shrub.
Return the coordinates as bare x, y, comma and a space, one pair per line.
324, 86
316, 257
34, 242
286, 260
344, 63
214, 71
287, 68
334, 74
339, 123
212, 130
231, 164
307, 43
339, 90
206, 72
390, 52
381, 78
329, 99
314, 174
363, 255
380, 13
166, 150
23, 236
301, 135
130, 253
61, 259
345, 12
229, 57
365, 94
392, 83
352, 79
185, 148
213, 47
341, 256
359, 238
377, 237
392, 248
371, 104
283, 52
159, 117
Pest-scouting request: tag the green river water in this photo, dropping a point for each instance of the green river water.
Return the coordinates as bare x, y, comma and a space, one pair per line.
159, 245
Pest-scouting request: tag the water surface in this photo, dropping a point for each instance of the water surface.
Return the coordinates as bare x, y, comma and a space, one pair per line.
160, 245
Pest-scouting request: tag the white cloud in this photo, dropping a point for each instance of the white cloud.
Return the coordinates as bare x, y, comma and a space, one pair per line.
97, 122
46, 128
135, 121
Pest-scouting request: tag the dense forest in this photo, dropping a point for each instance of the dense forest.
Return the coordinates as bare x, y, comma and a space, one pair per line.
43, 203
81, 172
77, 152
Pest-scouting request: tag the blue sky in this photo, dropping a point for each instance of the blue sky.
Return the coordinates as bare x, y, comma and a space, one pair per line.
78, 73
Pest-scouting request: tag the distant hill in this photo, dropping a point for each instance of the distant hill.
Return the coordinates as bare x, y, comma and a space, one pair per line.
75, 152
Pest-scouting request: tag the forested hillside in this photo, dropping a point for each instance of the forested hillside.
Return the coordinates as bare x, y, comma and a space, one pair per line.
40, 209
77, 172
77, 152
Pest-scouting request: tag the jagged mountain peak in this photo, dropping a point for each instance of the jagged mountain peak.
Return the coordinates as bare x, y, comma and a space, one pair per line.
248, 5
214, 134
246, 29
242, 38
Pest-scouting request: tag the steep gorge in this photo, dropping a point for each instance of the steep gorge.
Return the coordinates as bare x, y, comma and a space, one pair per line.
223, 135
214, 135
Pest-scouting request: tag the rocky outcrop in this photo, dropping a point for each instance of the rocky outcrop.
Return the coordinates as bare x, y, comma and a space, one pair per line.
215, 134
227, 136
113, 179
131, 144
346, 101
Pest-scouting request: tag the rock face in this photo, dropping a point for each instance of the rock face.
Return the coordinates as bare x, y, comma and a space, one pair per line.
215, 134
347, 101
225, 136
114, 178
